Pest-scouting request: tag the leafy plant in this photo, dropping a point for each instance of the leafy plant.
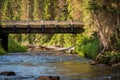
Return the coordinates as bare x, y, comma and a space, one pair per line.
88, 47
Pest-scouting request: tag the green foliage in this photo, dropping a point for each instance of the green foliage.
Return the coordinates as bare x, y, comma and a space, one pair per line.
45, 38
69, 40
87, 47
64, 13
46, 10
57, 40
4, 10
63, 40
2, 52
88, 22
110, 7
92, 5
75, 9
15, 47
116, 43
36, 13
109, 57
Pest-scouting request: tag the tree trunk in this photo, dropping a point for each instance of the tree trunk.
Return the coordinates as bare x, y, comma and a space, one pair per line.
104, 37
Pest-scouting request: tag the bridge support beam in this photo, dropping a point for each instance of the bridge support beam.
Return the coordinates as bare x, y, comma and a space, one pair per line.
4, 40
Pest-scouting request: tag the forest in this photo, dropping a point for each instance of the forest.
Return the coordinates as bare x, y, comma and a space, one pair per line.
100, 41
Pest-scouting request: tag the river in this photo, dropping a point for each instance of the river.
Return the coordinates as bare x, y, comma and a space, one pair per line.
30, 65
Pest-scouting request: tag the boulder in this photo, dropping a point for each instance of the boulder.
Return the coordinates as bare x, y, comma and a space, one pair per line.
48, 78
8, 73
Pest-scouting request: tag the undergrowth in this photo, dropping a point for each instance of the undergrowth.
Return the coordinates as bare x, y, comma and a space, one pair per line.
109, 57
15, 47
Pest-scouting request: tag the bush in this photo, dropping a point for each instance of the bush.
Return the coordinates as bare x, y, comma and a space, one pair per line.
88, 47
15, 47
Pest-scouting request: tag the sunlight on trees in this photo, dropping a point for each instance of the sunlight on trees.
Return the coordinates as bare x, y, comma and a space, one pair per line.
101, 18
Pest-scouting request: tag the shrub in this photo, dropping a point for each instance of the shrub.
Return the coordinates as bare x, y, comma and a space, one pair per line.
88, 47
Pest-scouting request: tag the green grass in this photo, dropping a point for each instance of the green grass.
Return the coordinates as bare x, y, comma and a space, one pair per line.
15, 47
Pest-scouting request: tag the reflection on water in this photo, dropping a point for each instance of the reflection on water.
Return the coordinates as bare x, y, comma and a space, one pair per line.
67, 67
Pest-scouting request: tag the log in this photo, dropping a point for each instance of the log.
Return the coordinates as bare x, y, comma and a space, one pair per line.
68, 49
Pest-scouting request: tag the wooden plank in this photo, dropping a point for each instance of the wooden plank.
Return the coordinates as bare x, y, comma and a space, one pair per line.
41, 22
39, 26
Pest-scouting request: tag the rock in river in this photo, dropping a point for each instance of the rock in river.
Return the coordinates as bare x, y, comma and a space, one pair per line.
8, 73
48, 78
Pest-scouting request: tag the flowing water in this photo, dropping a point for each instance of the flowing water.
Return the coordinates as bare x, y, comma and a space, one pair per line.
28, 66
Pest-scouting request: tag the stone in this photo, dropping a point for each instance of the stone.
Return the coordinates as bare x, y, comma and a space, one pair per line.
93, 62
8, 73
48, 78
54, 77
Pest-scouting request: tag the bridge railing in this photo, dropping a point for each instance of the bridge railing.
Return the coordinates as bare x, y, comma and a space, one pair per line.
41, 22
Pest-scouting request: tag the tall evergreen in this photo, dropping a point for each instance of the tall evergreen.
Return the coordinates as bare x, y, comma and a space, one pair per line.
1, 2
5, 10
37, 14
75, 9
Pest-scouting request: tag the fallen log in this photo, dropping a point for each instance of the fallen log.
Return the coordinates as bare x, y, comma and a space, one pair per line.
68, 49
46, 48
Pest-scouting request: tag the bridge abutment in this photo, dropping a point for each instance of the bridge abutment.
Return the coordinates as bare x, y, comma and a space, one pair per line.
4, 40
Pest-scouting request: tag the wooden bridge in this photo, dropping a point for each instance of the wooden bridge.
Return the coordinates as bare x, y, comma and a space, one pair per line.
43, 27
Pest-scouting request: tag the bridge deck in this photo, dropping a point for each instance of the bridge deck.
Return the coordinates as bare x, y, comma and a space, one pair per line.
49, 27
41, 26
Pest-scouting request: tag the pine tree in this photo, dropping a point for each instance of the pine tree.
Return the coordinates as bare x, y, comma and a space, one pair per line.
5, 10
75, 9
37, 14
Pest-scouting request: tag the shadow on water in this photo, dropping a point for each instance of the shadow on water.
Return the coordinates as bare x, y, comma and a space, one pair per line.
29, 67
